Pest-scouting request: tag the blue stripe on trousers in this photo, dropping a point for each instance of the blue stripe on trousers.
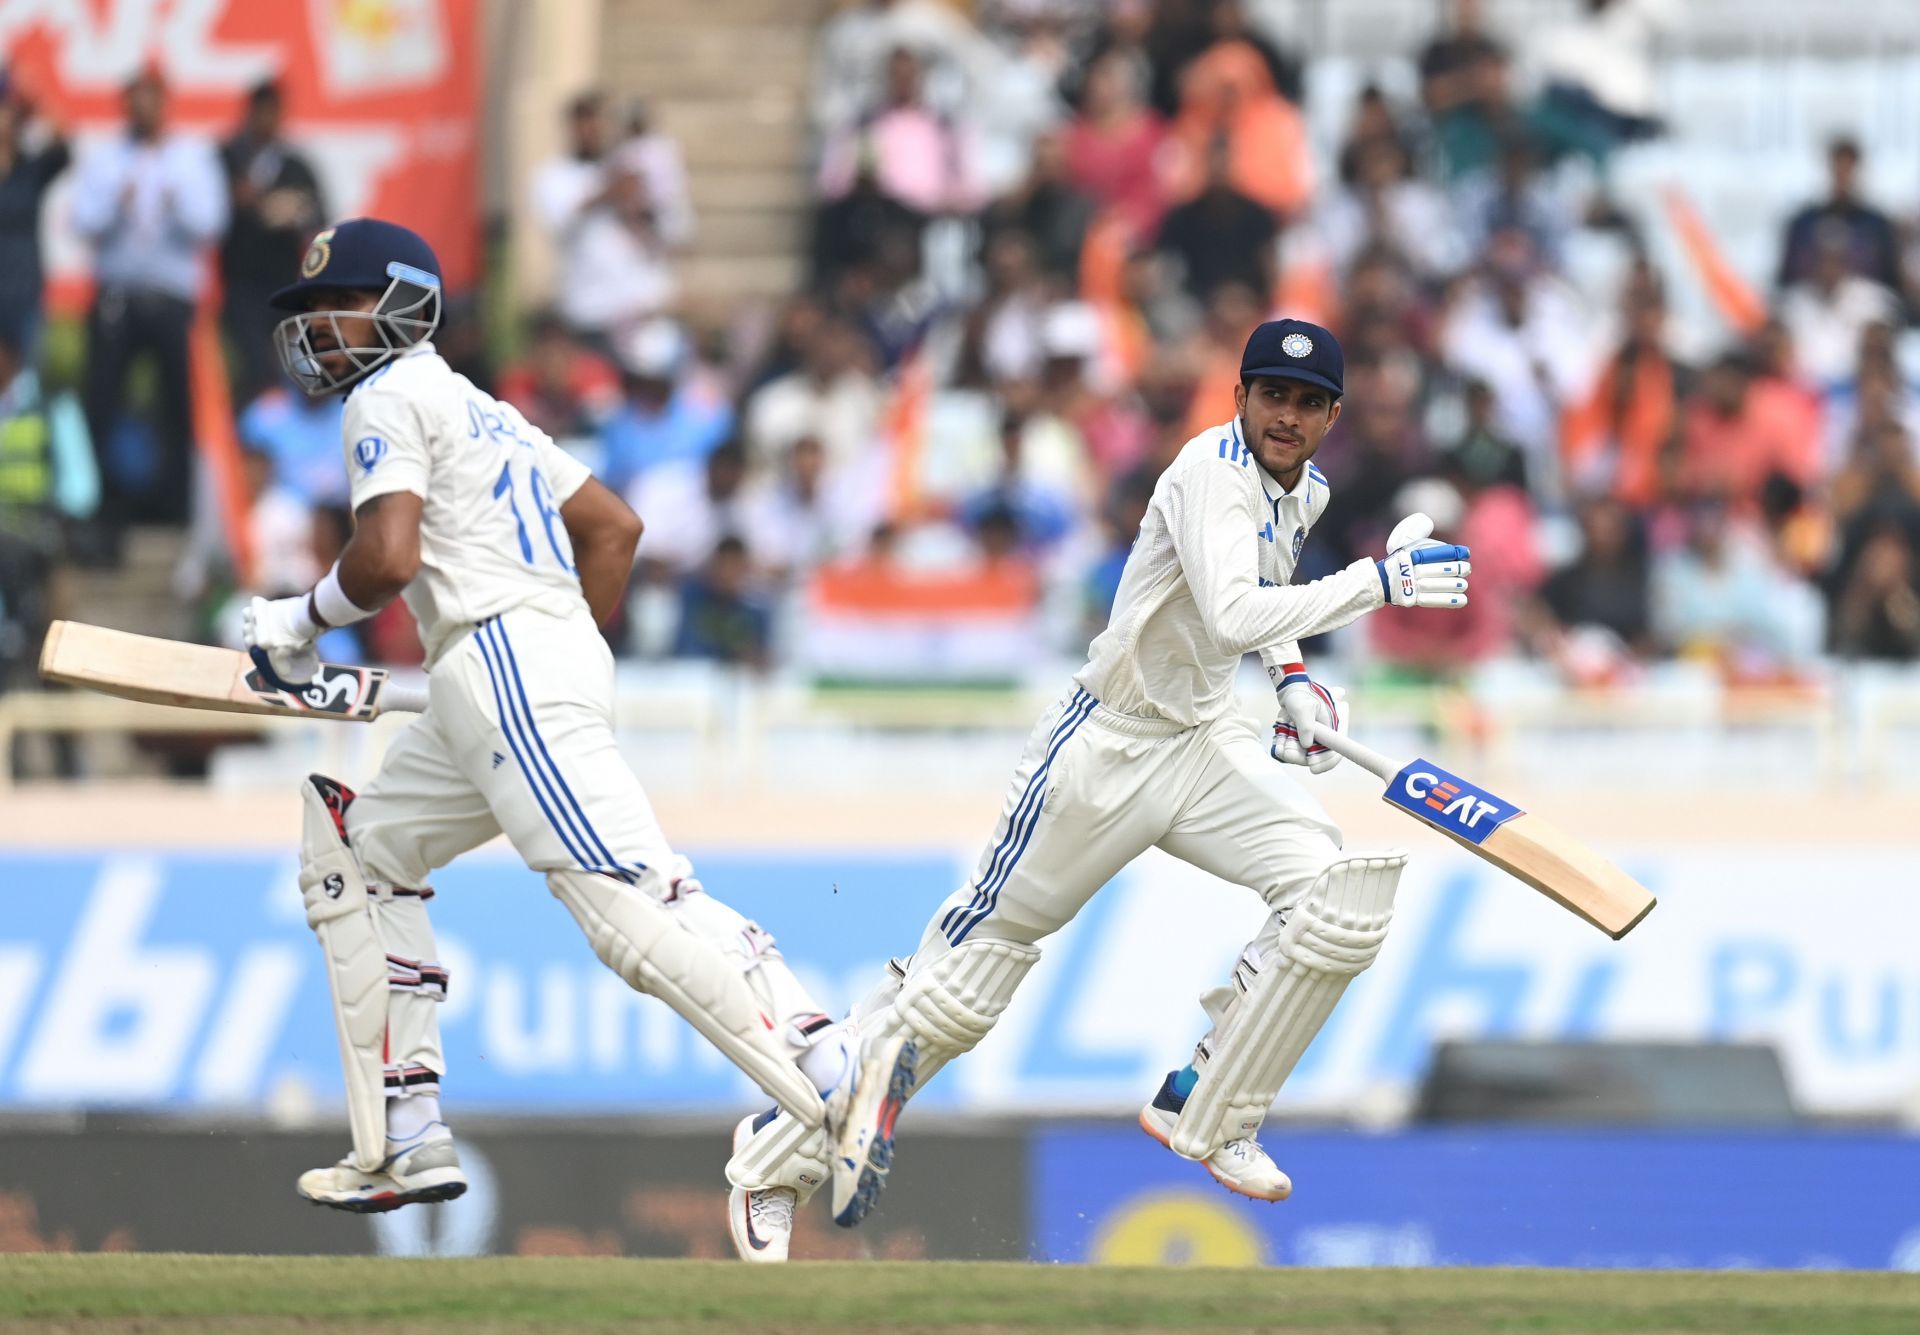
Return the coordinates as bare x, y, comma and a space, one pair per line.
1013, 821
592, 837
992, 892
507, 727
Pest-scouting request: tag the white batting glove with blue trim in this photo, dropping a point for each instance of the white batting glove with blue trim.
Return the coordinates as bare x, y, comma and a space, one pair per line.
1419, 572
280, 635
1306, 707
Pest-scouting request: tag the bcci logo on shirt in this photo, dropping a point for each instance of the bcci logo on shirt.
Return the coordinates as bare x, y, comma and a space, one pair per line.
368, 451
1299, 541
1449, 802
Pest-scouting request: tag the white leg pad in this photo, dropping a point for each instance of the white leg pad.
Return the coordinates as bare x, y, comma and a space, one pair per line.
784, 1153
1333, 934
954, 1002
341, 914
645, 943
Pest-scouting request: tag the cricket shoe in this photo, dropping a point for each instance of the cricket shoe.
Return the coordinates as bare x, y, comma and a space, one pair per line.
1240, 1166
760, 1220
418, 1175
860, 1122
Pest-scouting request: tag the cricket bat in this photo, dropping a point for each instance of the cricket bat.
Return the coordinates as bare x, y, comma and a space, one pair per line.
201, 676
1543, 855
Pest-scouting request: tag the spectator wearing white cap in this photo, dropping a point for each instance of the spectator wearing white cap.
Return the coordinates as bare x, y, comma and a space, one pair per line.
672, 411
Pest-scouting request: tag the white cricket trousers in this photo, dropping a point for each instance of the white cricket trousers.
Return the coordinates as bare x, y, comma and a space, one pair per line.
519, 738
1095, 789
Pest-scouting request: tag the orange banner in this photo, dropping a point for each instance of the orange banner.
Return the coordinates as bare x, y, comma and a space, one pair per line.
382, 96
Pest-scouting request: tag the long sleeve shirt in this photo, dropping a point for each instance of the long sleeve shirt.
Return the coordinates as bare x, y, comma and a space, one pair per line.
1208, 582
149, 210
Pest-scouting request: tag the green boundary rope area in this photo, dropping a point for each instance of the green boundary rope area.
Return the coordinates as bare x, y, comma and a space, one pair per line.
101, 1293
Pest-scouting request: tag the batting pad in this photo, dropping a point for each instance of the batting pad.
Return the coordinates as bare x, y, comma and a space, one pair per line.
1333, 934
648, 946
340, 913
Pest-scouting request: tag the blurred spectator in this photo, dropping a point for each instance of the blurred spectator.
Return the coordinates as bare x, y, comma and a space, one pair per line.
561, 387
1598, 71
1721, 597
1120, 520
1000, 335
1373, 123
1113, 425
920, 157
1376, 449
1511, 192
32, 154
280, 528
1496, 521
1463, 85
1607, 585
1115, 147
655, 157
671, 412
29, 510
851, 60
1213, 353
1386, 206
1877, 614
1522, 332
1184, 32
1877, 397
276, 206
301, 438
1019, 100
149, 202
688, 505
1048, 207
1621, 438
1866, 237
833, 395
1481, 457
851, 231
1829, 309
1041, 498
613, 266
1737, 431
809, 513
1228, 94
720, 616
1221, 235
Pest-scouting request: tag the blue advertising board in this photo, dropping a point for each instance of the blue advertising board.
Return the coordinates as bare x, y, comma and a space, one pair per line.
1489, 1196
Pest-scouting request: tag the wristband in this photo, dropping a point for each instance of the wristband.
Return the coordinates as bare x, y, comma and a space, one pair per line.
331, 603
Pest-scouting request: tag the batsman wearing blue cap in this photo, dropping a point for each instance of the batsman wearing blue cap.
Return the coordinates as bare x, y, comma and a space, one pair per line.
510, 555
1147, 751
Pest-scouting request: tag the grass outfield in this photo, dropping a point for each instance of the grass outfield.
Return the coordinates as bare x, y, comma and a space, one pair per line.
100, 1293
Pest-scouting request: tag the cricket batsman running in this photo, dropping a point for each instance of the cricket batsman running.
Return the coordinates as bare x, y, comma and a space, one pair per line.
509, 554
1147, 751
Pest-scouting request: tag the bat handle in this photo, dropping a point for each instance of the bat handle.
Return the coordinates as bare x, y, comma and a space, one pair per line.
1358, 752
403, 699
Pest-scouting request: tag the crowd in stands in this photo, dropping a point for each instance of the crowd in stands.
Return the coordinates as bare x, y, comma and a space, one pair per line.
1041, 232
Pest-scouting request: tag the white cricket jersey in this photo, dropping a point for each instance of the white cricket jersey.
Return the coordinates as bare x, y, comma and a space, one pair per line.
491, 538
1207, 582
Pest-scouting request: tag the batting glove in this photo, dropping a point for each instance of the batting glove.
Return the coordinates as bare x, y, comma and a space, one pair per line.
1305, 707
1419, 572
280, 635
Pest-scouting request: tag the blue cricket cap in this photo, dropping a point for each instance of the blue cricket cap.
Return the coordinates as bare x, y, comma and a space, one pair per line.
363, 254
1295, 350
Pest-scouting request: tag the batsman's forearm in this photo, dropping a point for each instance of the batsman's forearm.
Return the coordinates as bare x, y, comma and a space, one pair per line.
605, 565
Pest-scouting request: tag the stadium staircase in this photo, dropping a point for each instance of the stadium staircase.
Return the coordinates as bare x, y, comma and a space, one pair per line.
729, 82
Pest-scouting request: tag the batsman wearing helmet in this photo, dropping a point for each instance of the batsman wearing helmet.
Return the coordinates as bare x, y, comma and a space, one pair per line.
1146, 751
509, 554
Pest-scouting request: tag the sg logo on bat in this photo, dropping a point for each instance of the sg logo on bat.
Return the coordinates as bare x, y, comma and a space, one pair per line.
1448, 802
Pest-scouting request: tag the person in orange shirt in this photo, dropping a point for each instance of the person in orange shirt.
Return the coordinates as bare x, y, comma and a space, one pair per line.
1620, 439
1738, 430
1229, 91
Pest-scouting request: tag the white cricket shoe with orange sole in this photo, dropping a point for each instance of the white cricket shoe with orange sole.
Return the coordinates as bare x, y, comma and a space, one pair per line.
1240, 1166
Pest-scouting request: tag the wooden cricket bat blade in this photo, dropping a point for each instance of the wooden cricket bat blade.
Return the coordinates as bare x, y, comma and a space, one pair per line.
203, 676
1536, 851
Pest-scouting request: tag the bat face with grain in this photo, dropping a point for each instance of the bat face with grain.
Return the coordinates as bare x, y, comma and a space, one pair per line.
1537, 852
200, 676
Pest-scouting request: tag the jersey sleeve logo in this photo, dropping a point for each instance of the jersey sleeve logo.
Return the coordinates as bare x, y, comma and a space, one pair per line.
368, 451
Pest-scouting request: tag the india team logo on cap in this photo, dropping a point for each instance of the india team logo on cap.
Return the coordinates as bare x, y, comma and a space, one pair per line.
322, 250
1295, 345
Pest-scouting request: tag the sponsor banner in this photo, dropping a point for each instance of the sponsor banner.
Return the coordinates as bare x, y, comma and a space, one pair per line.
609, 1188
383, 96
1490, 1196
165, 980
